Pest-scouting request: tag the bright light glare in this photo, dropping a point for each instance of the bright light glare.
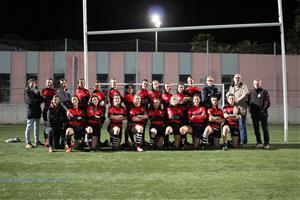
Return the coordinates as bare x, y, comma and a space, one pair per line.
156, 20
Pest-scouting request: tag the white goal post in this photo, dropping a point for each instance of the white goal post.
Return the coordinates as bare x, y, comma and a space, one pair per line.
185, 28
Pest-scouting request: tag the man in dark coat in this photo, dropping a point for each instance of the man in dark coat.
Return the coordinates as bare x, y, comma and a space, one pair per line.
259, 102
210, 90
33, 100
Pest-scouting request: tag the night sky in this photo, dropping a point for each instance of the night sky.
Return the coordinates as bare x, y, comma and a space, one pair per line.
58, 19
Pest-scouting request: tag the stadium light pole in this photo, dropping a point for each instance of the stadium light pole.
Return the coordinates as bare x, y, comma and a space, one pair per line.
156, 20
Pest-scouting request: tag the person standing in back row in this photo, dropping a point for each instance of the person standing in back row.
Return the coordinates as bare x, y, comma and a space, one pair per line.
47, 94
259, 102
33, 100
240, 92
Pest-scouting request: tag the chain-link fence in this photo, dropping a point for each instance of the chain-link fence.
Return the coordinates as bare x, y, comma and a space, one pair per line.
141, 46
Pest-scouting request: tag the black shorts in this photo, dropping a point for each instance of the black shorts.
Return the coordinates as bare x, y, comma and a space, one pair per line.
79, 131
96, 129
216, 133
160, 129
234, 131
198, 129
176, 127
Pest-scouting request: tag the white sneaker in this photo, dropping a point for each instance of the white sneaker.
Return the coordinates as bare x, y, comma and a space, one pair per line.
259, 146
139, 149
266, 146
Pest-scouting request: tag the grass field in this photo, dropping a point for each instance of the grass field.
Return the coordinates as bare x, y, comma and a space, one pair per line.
210, 174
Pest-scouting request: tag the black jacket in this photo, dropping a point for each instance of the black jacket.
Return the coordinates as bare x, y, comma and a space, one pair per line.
56, 116
33, 100
208, 92
259, 102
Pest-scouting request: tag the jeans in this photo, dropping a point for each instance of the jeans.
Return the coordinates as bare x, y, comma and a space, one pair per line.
53, 136
35, 123
243, 129
264, 123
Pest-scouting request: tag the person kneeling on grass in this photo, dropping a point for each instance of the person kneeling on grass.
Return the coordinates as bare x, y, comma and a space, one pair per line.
116, 114
232, 115
128, 101
197, 120
157, 118
95, 117
215, 119
55, 118
175, 125
76, 125
138, 116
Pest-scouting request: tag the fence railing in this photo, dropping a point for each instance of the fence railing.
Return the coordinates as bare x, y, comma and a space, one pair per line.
138, 46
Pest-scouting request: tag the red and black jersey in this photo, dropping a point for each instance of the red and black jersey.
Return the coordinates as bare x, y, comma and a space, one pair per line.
101, 96
128, 100
135, 111
165, 97
157, 116
114, 110
47, 94
83, 96
230, 121
143, 93
197, 114
94, 114
154, 94
181, 101
175, 114
112, 92
192, 90
77, 118
215, 112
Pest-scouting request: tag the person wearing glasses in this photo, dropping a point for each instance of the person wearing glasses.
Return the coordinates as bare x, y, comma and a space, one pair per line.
210, 90
241, 93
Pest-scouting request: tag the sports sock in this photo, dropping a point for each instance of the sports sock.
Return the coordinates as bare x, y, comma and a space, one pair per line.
139, 139
152, 141
68, 142
114, 142
184, 139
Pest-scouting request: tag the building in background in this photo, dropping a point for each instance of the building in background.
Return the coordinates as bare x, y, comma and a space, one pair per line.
17, 67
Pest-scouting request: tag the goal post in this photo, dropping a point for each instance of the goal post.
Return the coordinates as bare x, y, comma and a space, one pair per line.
187, 28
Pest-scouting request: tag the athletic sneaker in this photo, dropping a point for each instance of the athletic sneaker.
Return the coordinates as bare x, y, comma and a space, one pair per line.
69, 150
50, 150
139, 149
225, 147
259, 146
38, 143
266, 146
28, 146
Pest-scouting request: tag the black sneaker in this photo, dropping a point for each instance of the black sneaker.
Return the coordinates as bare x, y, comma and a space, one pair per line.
38, 143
